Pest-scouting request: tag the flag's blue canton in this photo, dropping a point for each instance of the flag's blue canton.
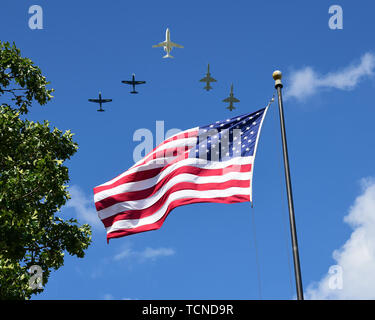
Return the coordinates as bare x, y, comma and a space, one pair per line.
233, 137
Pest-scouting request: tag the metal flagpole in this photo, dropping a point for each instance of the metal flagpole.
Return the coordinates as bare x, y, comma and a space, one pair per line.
297, 269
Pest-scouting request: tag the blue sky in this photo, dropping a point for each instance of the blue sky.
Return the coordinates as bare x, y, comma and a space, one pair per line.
206, 251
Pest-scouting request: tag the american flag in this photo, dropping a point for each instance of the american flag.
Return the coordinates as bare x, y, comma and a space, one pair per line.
212, 163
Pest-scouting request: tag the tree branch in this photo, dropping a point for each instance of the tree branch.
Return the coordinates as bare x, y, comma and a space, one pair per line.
27, 194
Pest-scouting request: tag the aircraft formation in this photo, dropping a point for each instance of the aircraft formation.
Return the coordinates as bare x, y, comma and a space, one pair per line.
168, 45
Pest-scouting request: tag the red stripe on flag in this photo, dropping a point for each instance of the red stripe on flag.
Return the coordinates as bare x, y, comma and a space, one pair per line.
132, 177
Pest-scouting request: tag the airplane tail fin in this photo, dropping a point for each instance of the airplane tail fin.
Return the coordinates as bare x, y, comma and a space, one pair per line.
168, 56
208, 87
133, 92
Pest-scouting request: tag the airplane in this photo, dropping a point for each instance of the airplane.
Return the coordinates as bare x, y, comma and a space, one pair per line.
208, 79
100, 101
167, 44
133, 83
231, 99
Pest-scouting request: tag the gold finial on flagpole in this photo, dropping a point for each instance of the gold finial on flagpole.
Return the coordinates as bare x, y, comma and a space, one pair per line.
277, 75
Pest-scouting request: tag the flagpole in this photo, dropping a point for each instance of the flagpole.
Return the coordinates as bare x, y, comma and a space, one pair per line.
277, 75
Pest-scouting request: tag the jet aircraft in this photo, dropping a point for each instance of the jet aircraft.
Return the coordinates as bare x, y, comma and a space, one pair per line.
231, 99
167, 44
100, 101
133, 83
208, 79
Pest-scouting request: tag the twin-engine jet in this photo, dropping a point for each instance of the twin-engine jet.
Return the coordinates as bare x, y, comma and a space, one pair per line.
231, 99
167, 44
133, 83
208, 79
100, 101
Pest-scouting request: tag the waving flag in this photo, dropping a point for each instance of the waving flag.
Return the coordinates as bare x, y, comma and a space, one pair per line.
212, 163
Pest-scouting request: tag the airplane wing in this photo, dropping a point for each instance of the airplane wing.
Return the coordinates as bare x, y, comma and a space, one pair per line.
231, 99
208, 79
94, 100
140, 82
161, 44
106, 100
172, 44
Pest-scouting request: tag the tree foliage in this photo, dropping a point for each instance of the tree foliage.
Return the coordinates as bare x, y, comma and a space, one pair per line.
33, 181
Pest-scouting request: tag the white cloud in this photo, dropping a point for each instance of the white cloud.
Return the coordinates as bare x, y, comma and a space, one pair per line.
306, 82
150, 253
147, 254
356, 258
84, 207
126, 252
